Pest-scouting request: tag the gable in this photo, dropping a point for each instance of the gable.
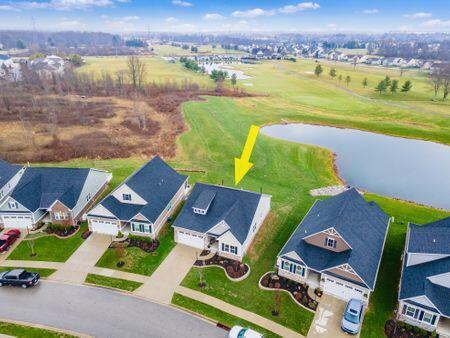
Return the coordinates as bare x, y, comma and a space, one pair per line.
126, 190
5, 205
140, 217
442, 279
219, 229
347, 272
293, 255
229, 238
420, 258
100, 210
58, 206
423, 300
319, 239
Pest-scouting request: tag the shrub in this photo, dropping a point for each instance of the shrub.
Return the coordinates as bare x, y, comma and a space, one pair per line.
120, 235
277, 285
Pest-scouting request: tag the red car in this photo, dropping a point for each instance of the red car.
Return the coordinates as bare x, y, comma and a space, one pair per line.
8, 238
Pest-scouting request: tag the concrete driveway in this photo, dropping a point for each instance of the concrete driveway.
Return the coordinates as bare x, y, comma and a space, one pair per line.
5, 255
76, 268
163, 282
99, 312
327, 320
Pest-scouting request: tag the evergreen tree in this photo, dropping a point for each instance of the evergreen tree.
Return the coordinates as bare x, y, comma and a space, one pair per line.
340, 78
318, 70
394, 86
381, 87
347, 80
333, 73
387, 80
365, 83
406, 86
233, 79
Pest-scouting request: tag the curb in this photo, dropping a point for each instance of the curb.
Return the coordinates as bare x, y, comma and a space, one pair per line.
46, 327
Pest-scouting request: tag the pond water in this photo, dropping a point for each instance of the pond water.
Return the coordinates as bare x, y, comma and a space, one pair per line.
408, 169
227, 67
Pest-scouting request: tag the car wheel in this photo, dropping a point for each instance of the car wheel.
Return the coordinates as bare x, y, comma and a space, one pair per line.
8, 247
24, 286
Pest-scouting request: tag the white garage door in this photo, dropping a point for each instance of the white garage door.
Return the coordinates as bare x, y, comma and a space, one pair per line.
104, 227
17, 221
342, 290
189, 239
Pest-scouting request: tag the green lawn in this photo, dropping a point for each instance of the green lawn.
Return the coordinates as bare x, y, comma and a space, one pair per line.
22, 331
49, 248
42, 271
112, 282
139, 261
217, 315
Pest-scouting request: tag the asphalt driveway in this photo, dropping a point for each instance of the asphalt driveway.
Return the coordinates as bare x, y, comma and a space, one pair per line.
99, 312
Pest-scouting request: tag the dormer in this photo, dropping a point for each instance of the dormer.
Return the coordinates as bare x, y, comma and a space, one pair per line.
125, 194
328, 239
203, 202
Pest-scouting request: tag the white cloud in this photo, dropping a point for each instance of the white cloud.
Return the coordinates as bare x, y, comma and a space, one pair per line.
331, 25
371, 11
125, 23
70, 24
436, 23
418, 15
289, 9
182, 3
301, 6
66, 4
8, 8
213, 16
171, 19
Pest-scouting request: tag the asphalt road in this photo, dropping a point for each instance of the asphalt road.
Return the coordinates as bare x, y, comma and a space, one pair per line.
99, 312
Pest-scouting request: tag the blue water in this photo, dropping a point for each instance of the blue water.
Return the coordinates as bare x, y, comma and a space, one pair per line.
408, 169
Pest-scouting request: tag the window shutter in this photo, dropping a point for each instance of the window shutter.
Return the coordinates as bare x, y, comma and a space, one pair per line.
282, 264
433, 320
421, 315
404, 309
326, 241
223, 247
334, 243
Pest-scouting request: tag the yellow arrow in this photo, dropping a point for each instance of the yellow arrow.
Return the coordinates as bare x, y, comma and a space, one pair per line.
242, 165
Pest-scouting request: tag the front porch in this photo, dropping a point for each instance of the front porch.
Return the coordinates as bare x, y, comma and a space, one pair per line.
443, 327
313, 279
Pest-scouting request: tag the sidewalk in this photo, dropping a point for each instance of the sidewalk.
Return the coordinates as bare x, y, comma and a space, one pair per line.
238, 312
161, 285
77, 267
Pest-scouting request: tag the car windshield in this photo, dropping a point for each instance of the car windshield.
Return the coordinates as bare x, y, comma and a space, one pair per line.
241, 333
2, 242
351, 318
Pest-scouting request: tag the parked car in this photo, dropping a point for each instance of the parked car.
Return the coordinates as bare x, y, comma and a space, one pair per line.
240, 332
352, 317
19, 277
8, 238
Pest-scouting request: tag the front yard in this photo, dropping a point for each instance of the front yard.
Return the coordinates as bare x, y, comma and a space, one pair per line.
23, 331
137, 260
111, 282
43, 272
49, 248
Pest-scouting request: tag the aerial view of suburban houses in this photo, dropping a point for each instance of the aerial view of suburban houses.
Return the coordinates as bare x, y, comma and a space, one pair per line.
424, 295
337, 247
45, 194
221, 219
142, 203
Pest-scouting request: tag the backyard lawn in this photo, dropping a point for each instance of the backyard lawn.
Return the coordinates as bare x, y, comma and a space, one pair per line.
137, 260
49, 248
111, 282
217, 315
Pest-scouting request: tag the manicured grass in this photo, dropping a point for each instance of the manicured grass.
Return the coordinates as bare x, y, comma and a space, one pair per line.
49, 248
137, 260
112, 282
217, 315
42, 271
22, 331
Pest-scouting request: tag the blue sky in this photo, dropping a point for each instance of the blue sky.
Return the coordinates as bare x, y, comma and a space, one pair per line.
227, 16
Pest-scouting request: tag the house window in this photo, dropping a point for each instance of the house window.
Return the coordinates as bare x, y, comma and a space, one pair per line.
126, 197
225, 247
410, 311
140, 227
293, 268
233, 249
427, 317
330, 242
12, 205
60, 216
230, 248
88, 197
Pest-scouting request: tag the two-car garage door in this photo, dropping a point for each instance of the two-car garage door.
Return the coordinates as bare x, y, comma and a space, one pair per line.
342, 290
190, 239
104, 227
17, 221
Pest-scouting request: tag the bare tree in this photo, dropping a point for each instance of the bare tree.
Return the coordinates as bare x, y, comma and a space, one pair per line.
436, 79
136, 71
446, 80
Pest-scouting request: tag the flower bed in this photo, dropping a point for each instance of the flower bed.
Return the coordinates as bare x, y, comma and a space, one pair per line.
144, 243
271, 280
61, 230
397, 329
86, 234
234, 269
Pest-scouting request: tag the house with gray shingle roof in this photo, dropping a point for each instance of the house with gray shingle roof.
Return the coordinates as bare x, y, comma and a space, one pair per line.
221, 219
142, 203
10, 175
424, 295
337, 246
52, 195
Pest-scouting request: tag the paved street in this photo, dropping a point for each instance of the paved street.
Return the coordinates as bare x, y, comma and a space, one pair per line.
99, 312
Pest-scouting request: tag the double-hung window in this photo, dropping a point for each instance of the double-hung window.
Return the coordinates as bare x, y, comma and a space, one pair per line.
233, 249
330, 242
126, 197
141, 227
12, 205
293, 268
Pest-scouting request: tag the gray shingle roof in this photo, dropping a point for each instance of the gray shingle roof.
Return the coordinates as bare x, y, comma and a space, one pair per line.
363, 225
415, 280
7, 171
204, 200
236, 207
156, 182
40, 187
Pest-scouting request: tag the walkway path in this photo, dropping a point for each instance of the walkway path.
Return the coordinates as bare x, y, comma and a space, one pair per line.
76, 268
161, 285
238, 312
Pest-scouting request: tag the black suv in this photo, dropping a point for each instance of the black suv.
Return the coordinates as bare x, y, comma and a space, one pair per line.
19, 277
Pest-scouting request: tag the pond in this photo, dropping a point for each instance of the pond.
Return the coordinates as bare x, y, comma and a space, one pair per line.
408, 169
227, 67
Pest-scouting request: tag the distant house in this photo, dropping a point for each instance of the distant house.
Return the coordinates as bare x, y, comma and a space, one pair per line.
52, 195
424, 295
10, 175
337, 246
142, 203
221, 219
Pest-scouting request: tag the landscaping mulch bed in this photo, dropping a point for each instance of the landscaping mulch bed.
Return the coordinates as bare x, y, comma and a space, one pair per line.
204, 253
62, 231
396, 329
271, 280
233, 268
147, 245
86, 234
